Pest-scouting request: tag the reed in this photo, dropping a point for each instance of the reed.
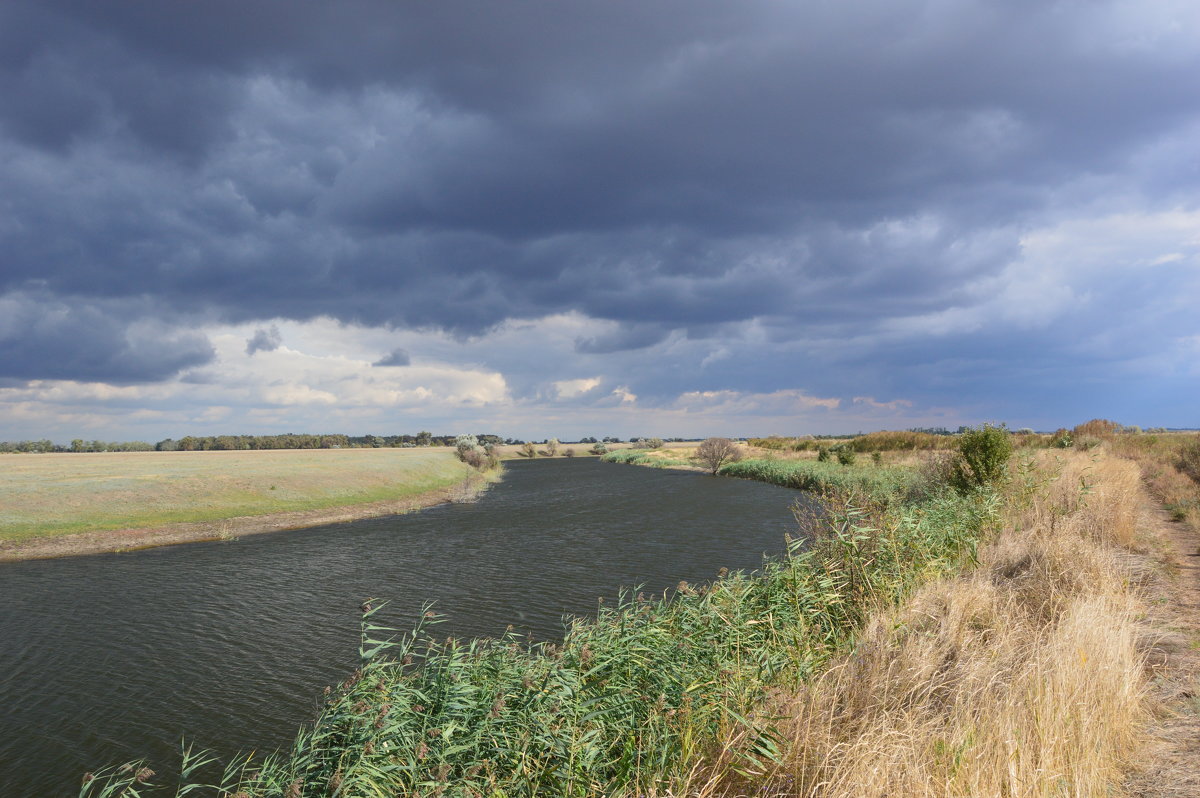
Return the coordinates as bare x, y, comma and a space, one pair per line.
651, 459
888, 484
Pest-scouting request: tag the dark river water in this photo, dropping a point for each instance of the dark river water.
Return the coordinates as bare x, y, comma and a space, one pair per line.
112, 657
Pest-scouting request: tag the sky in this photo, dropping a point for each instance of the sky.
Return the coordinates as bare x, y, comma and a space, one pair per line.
602, 217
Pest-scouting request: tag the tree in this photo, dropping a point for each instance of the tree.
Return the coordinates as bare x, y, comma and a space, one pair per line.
716, 452
552, 447
424, 438
528, 450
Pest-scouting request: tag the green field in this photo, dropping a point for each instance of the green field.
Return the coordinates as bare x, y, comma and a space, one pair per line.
59, 494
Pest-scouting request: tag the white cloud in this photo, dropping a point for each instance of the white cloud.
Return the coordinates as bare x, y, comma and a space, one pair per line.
569, 389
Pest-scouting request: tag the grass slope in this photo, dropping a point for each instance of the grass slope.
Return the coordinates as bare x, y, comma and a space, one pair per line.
60, 494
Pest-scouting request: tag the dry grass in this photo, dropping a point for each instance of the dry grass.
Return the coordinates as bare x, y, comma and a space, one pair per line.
1022, 677
1160, 456
59, 494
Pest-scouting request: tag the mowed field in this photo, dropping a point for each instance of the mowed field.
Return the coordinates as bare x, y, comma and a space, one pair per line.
60, 494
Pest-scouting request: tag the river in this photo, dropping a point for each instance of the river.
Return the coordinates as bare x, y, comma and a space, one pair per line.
112, 657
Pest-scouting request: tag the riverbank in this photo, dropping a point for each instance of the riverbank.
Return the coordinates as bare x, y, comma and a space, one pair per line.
995, 642
72, 504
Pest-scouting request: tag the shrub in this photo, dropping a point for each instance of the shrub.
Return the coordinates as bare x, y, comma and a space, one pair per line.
1097, 427
1189, 459
716, 452
599, 448
845, 455
473, 458
982, 460
569, 453
876, 458
823, 454
1061, 439
654, 443
528, 450
552, 447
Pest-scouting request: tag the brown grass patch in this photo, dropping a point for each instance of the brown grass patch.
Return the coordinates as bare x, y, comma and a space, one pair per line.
1022, 677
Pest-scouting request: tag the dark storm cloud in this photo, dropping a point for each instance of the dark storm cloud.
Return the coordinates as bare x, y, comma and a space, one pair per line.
677, 165
397, 357
45, 338
267, 340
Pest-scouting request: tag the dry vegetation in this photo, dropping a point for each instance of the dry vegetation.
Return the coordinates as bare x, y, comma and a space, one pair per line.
1024, 676
61, 494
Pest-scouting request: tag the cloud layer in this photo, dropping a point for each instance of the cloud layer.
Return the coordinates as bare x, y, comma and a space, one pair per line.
958, 210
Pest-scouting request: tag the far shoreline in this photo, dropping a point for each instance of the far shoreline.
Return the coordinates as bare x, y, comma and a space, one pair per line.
113, 541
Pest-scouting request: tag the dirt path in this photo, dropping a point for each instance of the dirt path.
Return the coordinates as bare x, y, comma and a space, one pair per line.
229, 528
1172, 763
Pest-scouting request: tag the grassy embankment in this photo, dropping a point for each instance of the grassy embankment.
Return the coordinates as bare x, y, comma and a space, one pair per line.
52, 495
933, 644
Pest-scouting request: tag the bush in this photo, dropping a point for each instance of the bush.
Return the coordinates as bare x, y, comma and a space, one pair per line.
654, 443
569, 453
528, 450
1062, 439
716, 452
823, 455
474, 458
1097, 428
982, 460
1189, 459
845, 455
599, 448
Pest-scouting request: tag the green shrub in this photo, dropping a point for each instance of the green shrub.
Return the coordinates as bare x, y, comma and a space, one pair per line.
845, 456
823, 454
982, 460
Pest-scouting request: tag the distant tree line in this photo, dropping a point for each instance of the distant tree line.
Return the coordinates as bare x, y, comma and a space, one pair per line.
292, 440
77, 445
205, 443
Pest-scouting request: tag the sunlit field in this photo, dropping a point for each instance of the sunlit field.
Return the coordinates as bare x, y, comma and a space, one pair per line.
60, 494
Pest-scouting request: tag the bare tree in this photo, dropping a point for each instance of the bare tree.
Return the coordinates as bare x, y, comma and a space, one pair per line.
716, 452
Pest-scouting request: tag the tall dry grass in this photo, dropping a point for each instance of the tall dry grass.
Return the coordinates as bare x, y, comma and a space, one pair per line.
1021, 677
1170, 464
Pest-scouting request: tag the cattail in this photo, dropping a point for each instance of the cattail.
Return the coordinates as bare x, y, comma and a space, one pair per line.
724, 572
497, 708
293, 790
143, 775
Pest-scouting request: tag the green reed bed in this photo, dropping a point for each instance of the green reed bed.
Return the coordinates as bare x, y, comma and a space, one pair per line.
877, 483
642, 458
626, 703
